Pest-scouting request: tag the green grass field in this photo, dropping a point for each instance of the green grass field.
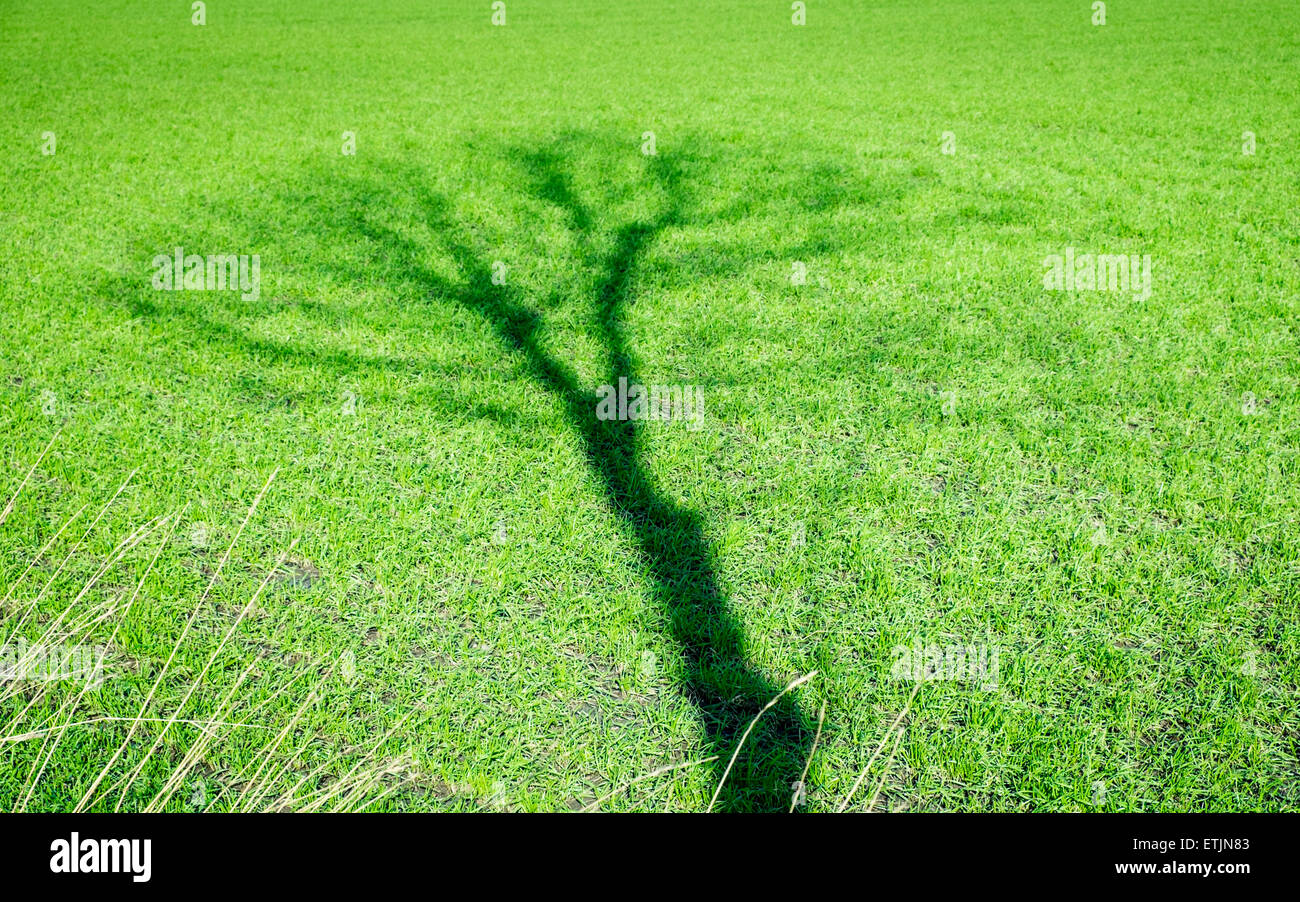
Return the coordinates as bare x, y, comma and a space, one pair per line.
500, 601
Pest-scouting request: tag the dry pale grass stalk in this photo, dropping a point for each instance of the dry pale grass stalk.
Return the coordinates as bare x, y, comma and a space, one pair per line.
350, 778
383, 795
364, 785
195, 753
650, 776
40, 554
821, 718
88, 684
884, 772
70, 704
56, 633
122, 547
264, 750
198, 680
202, 724
185, 631
800, 681
862, 776
268, 751
14, 497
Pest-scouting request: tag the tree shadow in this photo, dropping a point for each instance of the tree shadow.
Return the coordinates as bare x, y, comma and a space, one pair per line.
722, 683
346, 210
